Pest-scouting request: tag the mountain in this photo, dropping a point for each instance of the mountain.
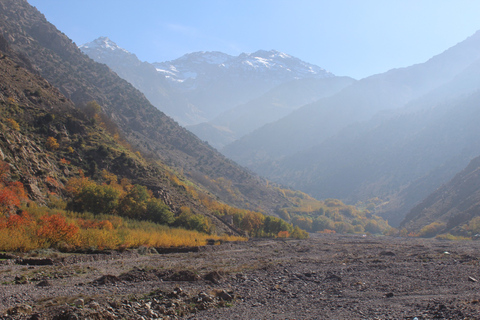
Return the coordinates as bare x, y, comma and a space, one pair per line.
273, 66
450, 208
162, 140
47, 141
198, 86
143, 76
215, 82
400, 153
311, 124
271, 106
402, 158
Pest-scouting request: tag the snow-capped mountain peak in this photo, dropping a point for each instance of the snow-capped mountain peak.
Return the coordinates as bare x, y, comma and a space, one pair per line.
102, 43
278, 65
106, 51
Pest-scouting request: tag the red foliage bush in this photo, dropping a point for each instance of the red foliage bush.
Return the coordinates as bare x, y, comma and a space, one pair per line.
55, 229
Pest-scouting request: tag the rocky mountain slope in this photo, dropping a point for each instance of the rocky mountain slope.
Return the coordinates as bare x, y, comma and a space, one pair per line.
46, 141
80, 79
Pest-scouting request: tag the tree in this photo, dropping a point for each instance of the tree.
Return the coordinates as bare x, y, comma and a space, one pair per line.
159, 212
373, 227
251, 222
134, 203
96, 199
92, 109
322, 223
191, 221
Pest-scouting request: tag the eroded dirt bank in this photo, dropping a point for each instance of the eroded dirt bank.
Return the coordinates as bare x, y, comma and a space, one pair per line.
325, 277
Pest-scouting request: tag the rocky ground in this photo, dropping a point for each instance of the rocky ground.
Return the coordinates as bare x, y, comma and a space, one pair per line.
325, 277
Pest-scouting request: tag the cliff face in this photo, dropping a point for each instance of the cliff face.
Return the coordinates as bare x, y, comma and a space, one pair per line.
80, 79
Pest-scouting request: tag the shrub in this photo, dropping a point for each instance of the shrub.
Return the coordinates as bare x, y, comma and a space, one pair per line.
186, 219
299, 233
432, 229
13, 124
55, 229
159, 212
52, 143
283, 234
12, 194
96, 199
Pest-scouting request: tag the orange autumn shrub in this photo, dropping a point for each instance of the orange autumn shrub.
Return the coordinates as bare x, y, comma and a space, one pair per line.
12, 193
65, 161
19, 221
55, 229
283, 234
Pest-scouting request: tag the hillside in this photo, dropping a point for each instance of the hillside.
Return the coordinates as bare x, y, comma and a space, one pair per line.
82, 80
311, 124
47, 141
452, 208
271, 106
400, 156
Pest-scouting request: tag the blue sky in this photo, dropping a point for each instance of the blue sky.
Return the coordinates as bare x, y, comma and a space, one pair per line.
356, 38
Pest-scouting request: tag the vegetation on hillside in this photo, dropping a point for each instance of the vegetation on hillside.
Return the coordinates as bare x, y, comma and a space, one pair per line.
100, 190
330, 215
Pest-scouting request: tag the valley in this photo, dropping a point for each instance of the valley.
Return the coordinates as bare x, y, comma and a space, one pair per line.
389, 139
214, 185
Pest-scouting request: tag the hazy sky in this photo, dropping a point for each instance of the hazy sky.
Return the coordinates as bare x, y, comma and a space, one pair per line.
356, 38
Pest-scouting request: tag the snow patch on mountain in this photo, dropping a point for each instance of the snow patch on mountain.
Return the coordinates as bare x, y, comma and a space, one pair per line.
209, 64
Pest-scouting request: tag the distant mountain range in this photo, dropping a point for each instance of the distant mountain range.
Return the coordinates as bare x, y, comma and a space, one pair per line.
199, 86
278, 102
384, 136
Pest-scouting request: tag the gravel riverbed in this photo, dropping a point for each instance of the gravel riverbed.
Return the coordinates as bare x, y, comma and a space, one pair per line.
324, 277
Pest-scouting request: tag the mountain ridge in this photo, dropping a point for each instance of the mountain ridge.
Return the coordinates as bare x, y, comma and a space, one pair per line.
315, 122
201, 85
